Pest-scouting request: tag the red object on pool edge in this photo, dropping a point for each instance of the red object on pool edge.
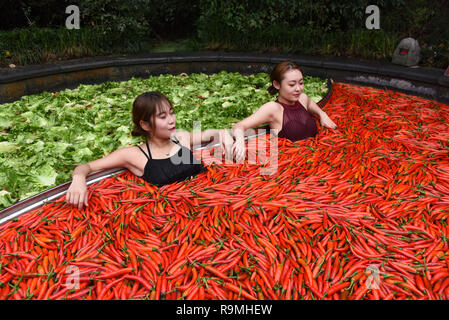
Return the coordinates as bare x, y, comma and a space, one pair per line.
446, 73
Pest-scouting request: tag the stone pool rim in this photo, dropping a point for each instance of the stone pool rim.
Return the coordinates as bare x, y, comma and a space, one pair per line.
430, 83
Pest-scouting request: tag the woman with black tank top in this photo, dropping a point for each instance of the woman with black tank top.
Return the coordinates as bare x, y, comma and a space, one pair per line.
163, 158
290, 115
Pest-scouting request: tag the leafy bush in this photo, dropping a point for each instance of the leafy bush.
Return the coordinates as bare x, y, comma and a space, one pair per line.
40, 45
260, 15
325, 27
32, 13
172, 17
116, 16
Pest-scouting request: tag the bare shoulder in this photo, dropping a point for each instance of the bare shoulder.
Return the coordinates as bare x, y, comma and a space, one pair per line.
123, 157
266, 114
271, 106
133, 158
304, 100
129, 153
184, 137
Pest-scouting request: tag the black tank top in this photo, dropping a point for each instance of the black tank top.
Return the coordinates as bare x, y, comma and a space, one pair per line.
178, 167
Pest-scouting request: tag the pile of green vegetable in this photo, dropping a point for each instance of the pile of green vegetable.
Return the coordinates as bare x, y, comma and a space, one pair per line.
44, 136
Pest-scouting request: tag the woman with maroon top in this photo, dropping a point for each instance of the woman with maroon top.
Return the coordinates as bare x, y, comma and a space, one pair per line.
290, 115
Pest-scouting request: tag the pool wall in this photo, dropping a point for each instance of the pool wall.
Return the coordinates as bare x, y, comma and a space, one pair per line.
425, 82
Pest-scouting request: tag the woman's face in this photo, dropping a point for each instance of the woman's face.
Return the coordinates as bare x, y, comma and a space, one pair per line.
164, 122
290, 87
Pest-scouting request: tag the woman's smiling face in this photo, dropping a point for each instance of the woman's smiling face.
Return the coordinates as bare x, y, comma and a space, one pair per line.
164, 121
290, 87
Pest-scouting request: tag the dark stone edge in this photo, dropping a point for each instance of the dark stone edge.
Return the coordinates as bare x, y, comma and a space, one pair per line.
429, 75
425, 82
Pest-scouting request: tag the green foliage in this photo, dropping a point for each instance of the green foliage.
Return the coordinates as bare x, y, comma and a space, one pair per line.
106, 27
32, 13
38, 45
172, 17
137, 18
325, 27
126, 18
259, 15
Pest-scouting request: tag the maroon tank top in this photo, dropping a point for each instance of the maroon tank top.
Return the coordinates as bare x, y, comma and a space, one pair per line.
297, 122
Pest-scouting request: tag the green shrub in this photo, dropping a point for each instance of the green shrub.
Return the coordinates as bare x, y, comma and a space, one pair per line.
32, 13
126, 18
172, 17
259, 15
325, 27
38, 45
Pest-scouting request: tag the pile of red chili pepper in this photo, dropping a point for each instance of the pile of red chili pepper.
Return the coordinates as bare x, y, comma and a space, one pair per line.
355, 213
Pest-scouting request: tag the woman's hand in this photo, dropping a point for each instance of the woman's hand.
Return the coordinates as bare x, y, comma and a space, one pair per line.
326, 121
77, 194
226, 141
239, 150
266, 114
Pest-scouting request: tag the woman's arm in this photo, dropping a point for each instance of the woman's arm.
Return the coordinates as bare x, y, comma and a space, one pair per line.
265, 114
206, 136
313, 108
221, 136
77, 194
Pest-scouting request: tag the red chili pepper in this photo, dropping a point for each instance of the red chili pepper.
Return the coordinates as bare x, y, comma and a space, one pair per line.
373, 193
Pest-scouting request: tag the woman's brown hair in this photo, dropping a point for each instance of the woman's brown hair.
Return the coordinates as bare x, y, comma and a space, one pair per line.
145, 107
278, 74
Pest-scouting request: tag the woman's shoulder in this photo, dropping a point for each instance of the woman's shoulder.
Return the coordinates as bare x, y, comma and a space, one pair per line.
271, 107
304, 100
132, 157
271, 104
121, 157
183, 138
129, 152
